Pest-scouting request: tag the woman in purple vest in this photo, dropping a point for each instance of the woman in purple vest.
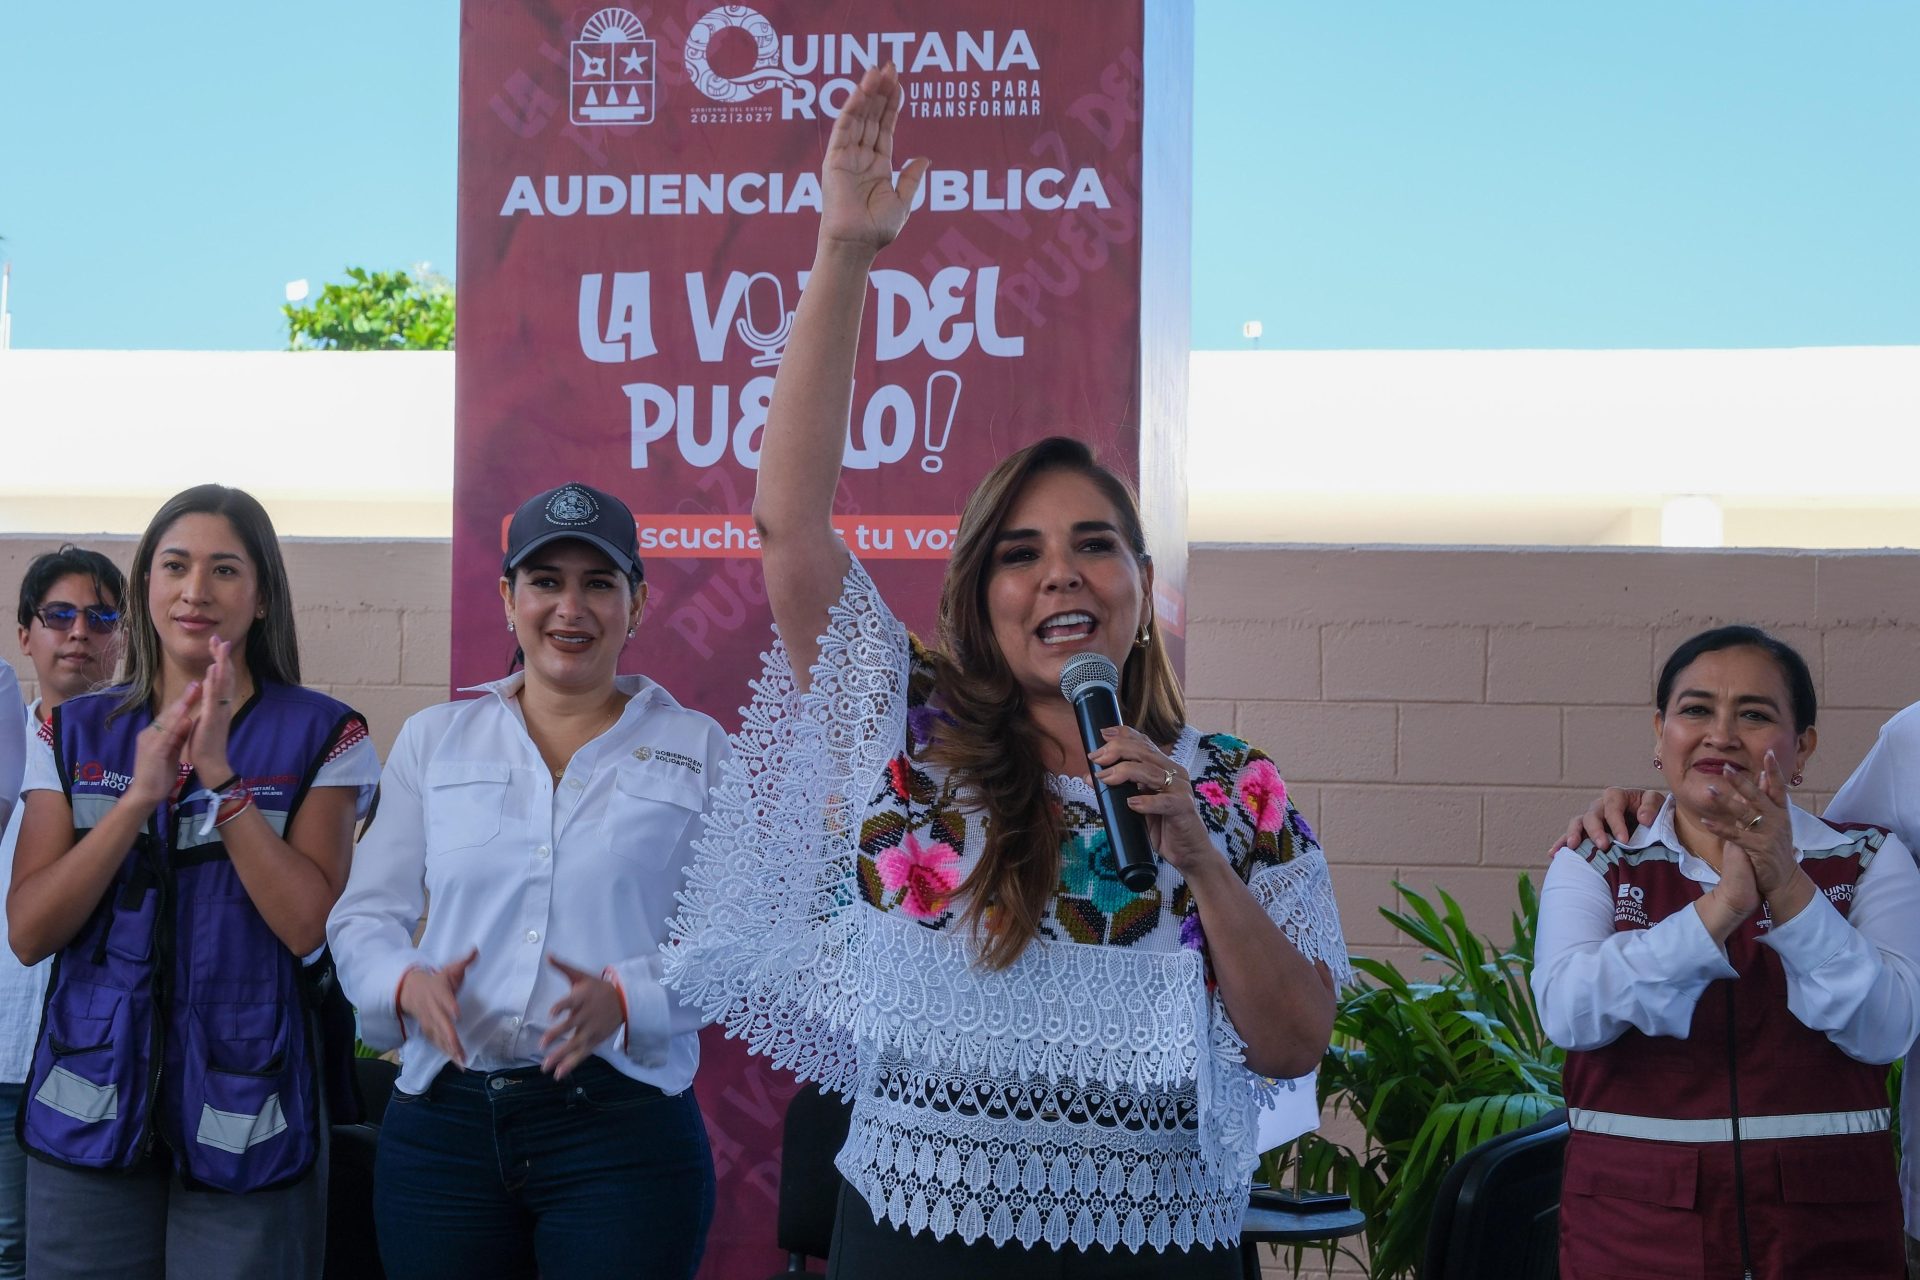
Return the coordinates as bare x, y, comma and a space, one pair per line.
186, 832
1731, 981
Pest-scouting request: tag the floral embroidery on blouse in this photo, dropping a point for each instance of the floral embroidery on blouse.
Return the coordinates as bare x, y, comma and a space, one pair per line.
918, 841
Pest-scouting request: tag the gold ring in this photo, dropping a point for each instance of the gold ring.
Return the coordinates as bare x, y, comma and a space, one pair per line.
1755, 821
1167, 781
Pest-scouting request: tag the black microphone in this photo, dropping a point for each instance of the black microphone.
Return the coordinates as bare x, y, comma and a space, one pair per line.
1091, 683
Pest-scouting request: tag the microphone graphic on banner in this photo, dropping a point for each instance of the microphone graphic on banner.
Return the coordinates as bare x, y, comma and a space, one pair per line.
1091, 683
767, 321
939, 426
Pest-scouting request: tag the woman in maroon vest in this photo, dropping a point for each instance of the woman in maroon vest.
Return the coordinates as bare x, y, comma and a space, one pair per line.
1731, 981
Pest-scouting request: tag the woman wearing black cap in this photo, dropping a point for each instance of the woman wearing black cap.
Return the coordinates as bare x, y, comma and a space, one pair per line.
543, 1121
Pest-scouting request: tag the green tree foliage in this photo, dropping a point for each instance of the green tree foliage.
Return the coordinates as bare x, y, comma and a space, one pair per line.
1430, 1070
375, 311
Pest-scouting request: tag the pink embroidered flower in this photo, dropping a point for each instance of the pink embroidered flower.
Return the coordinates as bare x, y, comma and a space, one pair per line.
925, 871
1213, 793
1262, 794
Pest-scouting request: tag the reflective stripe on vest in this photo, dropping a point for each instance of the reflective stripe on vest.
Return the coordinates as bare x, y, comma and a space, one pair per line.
1813, 1124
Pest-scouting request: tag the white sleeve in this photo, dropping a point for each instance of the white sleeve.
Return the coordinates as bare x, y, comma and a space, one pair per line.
371, 927
43, 770
1593, 983
1857, 977
13, 741
1885, 789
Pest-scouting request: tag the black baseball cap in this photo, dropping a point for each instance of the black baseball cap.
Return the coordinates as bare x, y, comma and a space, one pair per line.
580, 511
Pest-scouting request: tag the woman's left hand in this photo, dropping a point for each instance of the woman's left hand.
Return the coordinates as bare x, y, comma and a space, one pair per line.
591, 1011
1165, 799
1754, 815
213, 716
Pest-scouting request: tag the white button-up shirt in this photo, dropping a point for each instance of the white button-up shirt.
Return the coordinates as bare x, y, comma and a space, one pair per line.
1885, 790
22, 987
583, 869
1855, 977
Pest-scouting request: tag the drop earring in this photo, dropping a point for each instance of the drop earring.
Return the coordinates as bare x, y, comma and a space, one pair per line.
1797, 779
509, 624
1657, 764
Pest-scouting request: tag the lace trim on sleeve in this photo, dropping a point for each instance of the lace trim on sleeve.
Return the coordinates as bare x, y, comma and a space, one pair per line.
768, 937
1298, 896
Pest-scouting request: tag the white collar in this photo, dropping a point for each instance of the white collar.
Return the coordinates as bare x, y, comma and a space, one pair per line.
641, 690
1809, 832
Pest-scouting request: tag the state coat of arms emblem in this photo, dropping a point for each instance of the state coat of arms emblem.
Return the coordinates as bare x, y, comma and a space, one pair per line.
610, 76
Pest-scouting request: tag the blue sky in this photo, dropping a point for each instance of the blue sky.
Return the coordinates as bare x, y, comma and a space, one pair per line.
1398, 173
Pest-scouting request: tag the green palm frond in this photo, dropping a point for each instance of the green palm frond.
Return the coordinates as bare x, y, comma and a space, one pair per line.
1429, 1069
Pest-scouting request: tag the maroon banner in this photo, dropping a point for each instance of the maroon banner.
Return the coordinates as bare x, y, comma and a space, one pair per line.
638, 202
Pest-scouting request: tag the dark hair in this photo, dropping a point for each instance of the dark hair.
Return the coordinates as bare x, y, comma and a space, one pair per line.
988, 744
1793, 667
69, 561
273, 650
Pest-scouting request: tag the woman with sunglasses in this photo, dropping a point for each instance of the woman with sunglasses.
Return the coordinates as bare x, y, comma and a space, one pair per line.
543, 1123
186, 832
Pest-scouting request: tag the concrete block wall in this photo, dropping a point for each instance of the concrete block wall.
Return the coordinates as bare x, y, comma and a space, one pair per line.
373, 617
1439, 713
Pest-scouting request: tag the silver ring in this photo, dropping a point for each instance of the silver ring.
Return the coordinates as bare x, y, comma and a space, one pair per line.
1755, 821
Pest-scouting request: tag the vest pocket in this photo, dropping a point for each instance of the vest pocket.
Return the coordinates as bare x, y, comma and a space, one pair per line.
246, 1118
1629, 1209
86, 1096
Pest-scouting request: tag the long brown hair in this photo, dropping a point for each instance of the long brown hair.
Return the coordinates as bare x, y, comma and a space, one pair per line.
273, 651
988, 744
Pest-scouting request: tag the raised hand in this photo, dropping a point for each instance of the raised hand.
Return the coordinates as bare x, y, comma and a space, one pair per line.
431, 998
860, 203
591, 1011
158, 749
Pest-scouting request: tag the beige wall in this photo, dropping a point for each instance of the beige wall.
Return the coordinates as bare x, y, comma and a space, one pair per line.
1440, 712
1437, 712
373, 617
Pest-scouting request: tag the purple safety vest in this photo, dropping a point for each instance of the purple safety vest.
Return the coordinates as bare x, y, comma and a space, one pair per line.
175, 1011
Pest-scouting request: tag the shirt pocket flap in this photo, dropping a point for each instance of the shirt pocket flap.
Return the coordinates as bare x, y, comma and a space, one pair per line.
1650, 1173
454, 773
666, 783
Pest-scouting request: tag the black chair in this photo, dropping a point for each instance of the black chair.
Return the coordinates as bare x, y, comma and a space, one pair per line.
1498, 1211
812, 1135
351, 1251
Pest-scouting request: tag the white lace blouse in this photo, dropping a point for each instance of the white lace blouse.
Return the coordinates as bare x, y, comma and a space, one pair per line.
1093, 1092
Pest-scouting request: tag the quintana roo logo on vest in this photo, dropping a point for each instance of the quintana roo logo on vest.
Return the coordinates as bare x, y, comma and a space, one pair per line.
572, 507
610, 75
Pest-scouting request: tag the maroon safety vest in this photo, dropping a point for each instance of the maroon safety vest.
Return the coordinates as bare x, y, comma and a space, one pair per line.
1657, 1182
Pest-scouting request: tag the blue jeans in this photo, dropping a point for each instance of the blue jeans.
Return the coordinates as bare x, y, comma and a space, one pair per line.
510, 1174
13, 1188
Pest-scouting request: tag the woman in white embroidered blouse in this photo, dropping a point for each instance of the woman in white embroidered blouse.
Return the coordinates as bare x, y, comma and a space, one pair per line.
906, 891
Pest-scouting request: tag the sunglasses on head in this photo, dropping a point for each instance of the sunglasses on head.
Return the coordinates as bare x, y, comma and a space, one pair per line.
59, 617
